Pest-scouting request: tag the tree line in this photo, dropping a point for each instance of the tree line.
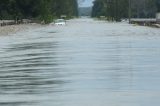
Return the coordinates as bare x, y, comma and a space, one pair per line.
118, 9
37, 9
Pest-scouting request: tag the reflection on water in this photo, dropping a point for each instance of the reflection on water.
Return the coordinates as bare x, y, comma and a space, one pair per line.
80, 67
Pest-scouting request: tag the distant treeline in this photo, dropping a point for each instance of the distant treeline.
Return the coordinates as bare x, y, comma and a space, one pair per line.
85, 11
37, 9
118, 9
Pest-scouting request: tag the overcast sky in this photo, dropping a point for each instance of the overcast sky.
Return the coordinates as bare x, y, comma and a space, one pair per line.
87, 3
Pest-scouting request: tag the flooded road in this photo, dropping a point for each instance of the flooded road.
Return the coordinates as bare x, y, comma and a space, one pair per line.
86, 63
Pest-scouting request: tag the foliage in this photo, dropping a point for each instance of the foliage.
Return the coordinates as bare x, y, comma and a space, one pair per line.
113, 9
39, 9
118, 9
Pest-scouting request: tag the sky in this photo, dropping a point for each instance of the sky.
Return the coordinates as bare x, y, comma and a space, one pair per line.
87, 3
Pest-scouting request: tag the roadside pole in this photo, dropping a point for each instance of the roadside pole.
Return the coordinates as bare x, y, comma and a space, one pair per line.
129, 11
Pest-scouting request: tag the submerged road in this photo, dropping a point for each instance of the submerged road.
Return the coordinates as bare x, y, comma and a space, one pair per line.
86, 63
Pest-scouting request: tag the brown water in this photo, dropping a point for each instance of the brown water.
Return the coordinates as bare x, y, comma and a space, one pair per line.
86, 63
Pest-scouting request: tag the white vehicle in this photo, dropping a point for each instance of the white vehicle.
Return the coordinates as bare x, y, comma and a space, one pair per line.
60, 22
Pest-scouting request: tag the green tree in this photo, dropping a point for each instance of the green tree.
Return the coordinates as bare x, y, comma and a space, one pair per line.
40, 9
118, 9
113, 9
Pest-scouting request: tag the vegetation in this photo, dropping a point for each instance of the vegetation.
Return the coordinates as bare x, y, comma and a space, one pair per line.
85, 11
158, 5
37, 9
118, 9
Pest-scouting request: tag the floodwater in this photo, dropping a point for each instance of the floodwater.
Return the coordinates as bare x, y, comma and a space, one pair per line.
86, 63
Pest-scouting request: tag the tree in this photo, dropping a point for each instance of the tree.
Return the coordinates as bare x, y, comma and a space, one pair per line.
113, 9
118, 9
39, 9
158, 5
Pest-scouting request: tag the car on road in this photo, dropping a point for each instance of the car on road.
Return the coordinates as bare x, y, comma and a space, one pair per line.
60, 22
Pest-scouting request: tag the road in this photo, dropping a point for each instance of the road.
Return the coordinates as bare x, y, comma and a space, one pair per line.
85, 63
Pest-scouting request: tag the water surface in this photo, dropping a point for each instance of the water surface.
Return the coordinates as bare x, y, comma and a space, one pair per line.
86, 63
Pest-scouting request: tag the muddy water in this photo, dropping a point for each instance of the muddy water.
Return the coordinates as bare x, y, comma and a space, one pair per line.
86, 63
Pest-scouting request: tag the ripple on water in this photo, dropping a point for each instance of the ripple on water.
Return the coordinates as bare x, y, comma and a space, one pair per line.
84, 64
